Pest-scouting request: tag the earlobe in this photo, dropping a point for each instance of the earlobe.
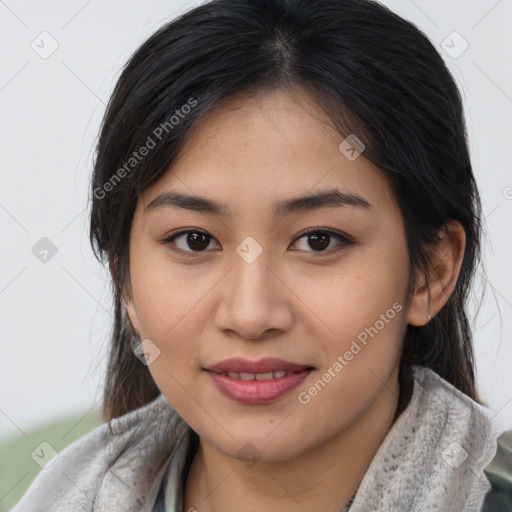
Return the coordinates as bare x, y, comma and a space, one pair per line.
420, 304
127, 300
445, 261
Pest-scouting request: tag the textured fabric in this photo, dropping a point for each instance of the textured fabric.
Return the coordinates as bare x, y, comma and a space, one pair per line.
178, 470
433, 458
80, 480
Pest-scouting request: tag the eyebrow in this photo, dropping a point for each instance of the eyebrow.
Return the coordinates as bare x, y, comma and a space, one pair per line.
308, 202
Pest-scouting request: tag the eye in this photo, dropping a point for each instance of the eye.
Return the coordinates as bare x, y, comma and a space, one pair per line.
188, 242
321, 239
196, 240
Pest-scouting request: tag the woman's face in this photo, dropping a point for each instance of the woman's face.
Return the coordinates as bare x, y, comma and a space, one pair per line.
247, 283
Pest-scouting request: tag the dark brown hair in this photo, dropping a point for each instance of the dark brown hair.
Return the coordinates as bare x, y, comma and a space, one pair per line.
373, 73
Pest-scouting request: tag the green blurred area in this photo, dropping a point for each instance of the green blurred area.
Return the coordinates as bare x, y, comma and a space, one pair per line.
17, 467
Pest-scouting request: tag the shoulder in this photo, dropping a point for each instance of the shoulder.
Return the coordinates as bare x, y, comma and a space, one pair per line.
434, 391
470, 435
84, 470
463, 420
429, 380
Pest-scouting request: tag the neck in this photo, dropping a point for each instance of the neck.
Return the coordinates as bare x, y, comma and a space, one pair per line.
323, 478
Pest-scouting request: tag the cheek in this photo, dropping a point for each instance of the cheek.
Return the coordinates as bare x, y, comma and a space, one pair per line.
359, 359
169, 297
174, 312
347, 302
370, 320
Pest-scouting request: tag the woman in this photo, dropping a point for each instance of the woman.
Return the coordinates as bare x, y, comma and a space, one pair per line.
284, 195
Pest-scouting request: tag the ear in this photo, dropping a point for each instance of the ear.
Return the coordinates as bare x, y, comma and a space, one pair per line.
131, 310
127, 299
434, 289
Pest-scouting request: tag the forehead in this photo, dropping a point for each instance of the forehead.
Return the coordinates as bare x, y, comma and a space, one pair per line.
258, 150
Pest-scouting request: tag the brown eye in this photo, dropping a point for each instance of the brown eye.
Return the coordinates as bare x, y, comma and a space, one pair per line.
321, 239
189, 241
197, 241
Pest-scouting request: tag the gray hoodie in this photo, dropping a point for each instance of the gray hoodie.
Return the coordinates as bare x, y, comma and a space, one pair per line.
432, 458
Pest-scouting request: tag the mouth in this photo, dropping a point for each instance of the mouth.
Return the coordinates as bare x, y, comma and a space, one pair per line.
278, 374
257, 382
264, 366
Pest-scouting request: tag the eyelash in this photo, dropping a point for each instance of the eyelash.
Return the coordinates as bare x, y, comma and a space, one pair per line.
343, 239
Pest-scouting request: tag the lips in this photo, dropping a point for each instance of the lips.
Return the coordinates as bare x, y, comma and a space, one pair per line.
277, 374
263, 366
257, 382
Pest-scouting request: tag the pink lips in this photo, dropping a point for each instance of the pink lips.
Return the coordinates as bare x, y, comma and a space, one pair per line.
256, 382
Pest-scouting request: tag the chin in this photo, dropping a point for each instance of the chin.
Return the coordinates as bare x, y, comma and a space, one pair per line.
251, 449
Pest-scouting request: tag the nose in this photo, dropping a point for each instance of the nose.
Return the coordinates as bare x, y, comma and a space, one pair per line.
256, 302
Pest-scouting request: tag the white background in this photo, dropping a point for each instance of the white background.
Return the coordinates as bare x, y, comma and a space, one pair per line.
55, 316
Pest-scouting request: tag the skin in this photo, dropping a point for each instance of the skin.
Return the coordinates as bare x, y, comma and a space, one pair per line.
293, 302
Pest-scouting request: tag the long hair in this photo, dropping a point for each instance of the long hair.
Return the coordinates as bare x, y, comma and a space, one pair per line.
373, 73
